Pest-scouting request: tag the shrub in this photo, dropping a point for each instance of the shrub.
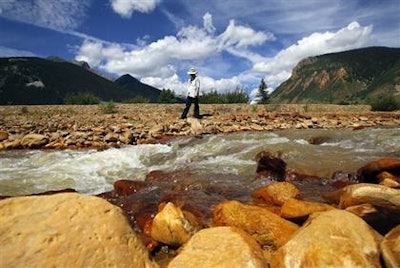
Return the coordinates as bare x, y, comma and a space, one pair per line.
108, 108
24, 110
213, 97
384, 103
167, 96
81, 98
138, 99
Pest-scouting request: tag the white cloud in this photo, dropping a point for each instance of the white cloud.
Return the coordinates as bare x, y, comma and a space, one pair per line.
242, 36
160, 62
57, 15
278, 68
11, 52
191, 45
208, 23
125, 8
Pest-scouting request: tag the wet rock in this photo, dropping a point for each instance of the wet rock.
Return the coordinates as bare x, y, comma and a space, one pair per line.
276, 193
267, 228
67, 230
196, 201
220, 247
333, 238
366, 193
128, 187
271, 166
172, 226
297, 209
34, 140
369, 173
389, 180
390, 248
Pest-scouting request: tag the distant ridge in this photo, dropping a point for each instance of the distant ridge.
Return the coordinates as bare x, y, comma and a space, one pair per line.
130, 83
31, 80
351, 77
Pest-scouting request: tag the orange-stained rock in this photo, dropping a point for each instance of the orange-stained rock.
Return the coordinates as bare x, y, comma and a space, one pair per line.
334, 238
267, 228
220, 247
293, 208
67, 230
172, 226
276, 193
390, 248
369, 172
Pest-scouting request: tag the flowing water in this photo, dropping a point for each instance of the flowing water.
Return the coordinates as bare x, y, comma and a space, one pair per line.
231, 156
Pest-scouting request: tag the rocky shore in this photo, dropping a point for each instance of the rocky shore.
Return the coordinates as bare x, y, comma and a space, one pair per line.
96, 126
178, 219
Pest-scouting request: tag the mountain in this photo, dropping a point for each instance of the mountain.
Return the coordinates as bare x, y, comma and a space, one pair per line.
130, 83
350, 77
30, 80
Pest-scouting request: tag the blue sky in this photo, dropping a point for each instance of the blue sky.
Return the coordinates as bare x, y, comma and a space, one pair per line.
232, 43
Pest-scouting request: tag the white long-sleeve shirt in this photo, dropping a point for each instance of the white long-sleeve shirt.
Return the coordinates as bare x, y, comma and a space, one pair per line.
193, 87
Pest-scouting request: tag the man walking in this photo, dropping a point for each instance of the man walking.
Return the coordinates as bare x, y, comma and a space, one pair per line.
193, 90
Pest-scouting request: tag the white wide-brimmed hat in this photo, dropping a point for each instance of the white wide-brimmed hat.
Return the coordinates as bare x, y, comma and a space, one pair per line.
192, 71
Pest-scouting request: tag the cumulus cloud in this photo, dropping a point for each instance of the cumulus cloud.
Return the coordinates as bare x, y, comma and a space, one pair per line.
158, 62
278, 68
125, 8
57, 15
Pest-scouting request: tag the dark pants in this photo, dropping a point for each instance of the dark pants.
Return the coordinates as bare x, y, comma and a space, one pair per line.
189, 101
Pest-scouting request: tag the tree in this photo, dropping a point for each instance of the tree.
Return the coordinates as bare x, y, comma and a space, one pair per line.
262, 94
167, 96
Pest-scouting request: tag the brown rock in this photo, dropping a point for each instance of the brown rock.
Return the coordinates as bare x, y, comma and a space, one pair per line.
389, 180
195, 127
276, 193
270, 165
3, 135
333, 238
390, 248
34, 140
376, 195
128, 187
172, 226
369, 172
267, 228
293, 208
382, 220
67, 230
220, 247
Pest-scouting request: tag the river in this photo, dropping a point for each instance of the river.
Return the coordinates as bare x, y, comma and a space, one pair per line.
91, 171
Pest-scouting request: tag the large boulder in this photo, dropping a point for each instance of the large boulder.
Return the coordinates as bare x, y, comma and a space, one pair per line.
267, 228
67, 230
390, 247
334, 238
220, 247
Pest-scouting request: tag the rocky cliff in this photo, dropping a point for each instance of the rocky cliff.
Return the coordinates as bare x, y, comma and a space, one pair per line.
350, 77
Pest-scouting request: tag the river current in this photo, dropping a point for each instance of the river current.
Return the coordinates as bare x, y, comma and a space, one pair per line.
233, 155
